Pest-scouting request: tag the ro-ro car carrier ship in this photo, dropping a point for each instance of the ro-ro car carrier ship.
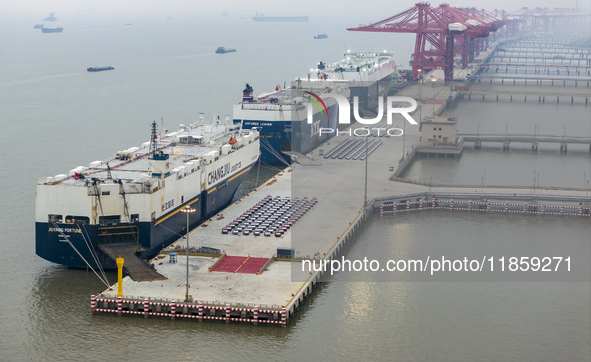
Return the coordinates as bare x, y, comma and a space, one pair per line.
136, 197
281, 116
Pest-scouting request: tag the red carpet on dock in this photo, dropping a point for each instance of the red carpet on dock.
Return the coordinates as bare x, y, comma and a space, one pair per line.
240, 264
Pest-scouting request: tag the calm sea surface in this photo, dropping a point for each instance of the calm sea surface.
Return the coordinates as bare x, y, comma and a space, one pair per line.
55, 116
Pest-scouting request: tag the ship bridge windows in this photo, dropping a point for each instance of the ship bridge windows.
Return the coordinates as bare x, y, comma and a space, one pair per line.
77, 219
135, 218
198, 140
109, 219
55, 218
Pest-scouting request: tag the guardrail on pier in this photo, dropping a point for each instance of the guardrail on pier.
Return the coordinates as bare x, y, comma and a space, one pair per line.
418, 202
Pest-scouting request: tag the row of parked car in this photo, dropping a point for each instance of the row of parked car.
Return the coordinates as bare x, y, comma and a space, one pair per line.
270, 216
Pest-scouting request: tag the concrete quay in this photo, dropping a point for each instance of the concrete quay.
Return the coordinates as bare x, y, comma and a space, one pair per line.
278, 291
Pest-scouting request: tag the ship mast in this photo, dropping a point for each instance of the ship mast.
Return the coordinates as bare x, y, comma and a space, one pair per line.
153, 141
158, 159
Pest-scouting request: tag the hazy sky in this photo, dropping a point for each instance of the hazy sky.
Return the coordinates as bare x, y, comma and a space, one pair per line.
376, 9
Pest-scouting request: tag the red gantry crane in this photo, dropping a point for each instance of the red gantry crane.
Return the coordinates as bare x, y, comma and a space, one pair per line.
437, 29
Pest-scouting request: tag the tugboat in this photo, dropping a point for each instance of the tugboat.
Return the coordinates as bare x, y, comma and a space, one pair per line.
222, 50
50, 18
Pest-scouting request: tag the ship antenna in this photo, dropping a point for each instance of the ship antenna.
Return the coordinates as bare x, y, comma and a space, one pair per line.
153, 142
109, 171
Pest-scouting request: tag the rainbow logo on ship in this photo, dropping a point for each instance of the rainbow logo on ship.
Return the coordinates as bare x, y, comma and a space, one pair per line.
316, 103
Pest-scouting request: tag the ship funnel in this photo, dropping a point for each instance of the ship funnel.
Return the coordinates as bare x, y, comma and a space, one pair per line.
247, 94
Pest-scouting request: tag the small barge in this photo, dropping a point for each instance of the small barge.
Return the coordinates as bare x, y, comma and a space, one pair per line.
99, 69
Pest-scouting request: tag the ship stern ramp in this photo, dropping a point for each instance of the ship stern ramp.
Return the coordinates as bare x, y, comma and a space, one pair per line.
138, 269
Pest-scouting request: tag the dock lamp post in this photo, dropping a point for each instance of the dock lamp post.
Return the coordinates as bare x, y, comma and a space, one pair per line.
420, 84
187, 210
420, 113
433, 81
365, 197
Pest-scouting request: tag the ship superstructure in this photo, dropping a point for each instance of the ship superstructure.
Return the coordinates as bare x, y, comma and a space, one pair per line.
368, 73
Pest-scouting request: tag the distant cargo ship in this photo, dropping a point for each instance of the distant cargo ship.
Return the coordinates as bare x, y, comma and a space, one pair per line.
222, 50
320, 36
52, 30
99, 69
50, 18
261, 17
38, 26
